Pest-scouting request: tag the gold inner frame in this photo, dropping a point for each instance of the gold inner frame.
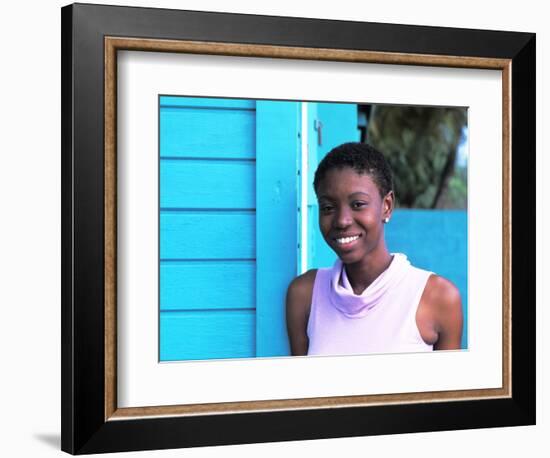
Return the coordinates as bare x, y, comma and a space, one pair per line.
112, 45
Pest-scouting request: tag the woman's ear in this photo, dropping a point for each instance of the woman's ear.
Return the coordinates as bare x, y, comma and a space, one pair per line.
387, 206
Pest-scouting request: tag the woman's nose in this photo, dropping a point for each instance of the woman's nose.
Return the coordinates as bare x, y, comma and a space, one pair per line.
343, 218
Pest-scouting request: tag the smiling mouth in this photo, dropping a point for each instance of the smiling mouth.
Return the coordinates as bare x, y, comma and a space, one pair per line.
346, 240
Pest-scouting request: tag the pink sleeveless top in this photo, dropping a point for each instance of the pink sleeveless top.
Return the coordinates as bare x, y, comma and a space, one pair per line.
380, 320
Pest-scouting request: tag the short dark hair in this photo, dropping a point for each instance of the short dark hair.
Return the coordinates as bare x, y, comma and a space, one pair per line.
361, 157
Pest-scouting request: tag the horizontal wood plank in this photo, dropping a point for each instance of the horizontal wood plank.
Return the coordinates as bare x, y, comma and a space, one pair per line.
207, 335
186, 285
195, 132
207, 184
207, 102
207, 235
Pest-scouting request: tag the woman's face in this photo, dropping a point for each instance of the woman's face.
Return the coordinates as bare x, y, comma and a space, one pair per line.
351, 214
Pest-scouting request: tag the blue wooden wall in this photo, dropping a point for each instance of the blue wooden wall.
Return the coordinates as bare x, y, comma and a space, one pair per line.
207, 228
227, 173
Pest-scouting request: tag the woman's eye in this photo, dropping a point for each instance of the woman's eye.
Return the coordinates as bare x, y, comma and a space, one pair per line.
326, 208
358, 205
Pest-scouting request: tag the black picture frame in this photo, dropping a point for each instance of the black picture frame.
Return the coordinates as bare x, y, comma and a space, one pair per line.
86, 428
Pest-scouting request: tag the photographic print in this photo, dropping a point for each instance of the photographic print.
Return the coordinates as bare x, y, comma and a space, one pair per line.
209, 266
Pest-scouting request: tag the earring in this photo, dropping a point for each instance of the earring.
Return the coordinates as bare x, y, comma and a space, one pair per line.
386, 220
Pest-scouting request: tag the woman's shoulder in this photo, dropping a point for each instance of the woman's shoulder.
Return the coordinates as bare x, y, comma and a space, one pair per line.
441, 293
442, 303
301, 288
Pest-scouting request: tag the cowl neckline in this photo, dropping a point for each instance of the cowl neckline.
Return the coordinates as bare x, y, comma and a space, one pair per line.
358, 305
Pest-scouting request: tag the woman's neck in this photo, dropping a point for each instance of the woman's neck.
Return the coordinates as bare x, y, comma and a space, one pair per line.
362, 273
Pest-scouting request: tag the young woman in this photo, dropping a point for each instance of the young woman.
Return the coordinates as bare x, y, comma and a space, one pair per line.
370, 301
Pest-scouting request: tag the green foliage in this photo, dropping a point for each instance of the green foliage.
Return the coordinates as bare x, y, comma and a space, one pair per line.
456, 193
421, 144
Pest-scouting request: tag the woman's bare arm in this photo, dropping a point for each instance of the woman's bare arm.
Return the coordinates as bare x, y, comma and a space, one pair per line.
298, 303
443, 300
